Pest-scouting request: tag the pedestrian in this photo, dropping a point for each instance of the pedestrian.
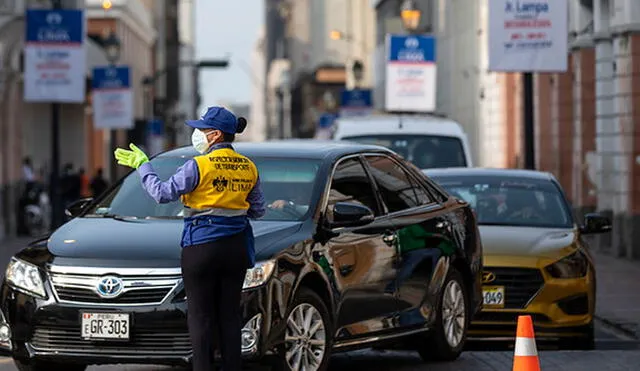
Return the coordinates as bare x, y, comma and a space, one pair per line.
84, 184
220, 190
98, 184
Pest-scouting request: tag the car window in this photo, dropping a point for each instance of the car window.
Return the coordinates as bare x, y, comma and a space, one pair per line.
425, 151
511, 201
423, 196
288, 179
350, 183
396, 190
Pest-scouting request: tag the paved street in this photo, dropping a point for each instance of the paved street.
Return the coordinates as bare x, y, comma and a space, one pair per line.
616, 332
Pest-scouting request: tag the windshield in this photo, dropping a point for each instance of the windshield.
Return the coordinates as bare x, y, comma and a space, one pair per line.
287, 179
425, 151
511, 201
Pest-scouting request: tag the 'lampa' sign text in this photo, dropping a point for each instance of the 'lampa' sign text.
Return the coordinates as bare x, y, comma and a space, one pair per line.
524, 9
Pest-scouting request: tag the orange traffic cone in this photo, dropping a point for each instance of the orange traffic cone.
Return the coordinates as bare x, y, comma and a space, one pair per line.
525, 357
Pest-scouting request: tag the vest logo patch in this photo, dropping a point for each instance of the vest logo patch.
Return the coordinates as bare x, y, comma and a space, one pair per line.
220, 183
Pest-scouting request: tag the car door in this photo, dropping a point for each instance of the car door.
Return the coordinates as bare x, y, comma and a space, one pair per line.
362, 258
422, 227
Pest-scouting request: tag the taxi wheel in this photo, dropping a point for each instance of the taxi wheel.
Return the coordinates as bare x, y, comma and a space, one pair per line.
308, 335
48, 366
446, 340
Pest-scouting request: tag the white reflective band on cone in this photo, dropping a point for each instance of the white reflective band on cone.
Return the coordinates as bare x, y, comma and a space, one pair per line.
525, 347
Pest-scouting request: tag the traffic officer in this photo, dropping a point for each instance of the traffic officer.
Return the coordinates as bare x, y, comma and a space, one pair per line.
220, 191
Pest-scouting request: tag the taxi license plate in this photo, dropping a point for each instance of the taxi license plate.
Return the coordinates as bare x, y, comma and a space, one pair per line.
105, 326
493, 296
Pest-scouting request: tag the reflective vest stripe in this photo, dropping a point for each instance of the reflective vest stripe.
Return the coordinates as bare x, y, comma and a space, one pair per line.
214, 211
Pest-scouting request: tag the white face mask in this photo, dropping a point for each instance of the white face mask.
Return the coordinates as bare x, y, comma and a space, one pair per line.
199, 141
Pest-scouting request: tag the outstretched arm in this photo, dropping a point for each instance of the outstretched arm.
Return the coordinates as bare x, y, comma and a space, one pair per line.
183, 181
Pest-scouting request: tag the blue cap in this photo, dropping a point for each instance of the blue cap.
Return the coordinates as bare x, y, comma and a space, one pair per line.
217, 118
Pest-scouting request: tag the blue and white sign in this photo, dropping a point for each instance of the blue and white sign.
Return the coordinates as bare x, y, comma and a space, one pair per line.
112, 98
528, 35
356, 102
411, 73
54, 56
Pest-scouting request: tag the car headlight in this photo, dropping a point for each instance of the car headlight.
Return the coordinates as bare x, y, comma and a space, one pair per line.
25, 277
575, 265
259, 274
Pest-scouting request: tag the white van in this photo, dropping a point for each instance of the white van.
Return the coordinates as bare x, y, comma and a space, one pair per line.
427, 141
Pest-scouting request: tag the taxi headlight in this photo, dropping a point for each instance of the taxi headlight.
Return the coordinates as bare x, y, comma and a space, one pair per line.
259, 274
575, 265
25, 277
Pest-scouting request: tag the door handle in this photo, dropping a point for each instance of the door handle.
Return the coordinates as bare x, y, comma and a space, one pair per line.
389, 238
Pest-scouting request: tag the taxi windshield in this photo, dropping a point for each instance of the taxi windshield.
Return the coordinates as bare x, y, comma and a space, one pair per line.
286, 179
511, 201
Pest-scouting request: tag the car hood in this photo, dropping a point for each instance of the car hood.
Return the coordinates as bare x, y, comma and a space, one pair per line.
141, 240
526, 241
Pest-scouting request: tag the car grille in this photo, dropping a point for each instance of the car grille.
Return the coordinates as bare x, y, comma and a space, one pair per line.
520, 285
137, 290
157, 340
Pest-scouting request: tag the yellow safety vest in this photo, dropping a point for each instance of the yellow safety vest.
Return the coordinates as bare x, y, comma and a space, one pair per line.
225, 180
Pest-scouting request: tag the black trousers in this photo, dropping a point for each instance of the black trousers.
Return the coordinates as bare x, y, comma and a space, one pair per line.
213, 275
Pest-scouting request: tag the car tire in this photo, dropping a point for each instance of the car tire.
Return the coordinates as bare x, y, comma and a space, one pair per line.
48, 366
306, 302
436, 345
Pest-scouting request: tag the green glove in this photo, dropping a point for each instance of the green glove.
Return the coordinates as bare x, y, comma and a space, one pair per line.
133, 158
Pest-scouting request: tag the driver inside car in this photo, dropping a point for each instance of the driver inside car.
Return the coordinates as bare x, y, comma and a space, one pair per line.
296, 202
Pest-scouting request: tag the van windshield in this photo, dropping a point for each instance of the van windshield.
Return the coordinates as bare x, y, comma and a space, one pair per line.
425, 151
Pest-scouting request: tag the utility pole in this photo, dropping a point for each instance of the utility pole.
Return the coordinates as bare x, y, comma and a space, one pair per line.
54, 186
528, 131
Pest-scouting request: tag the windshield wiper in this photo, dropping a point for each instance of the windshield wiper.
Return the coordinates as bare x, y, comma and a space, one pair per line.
111, 216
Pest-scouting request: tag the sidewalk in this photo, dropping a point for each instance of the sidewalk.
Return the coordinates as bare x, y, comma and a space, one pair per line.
618, 292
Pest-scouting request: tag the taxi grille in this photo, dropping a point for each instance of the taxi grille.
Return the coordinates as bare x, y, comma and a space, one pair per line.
142, 296
520, 285
146, 340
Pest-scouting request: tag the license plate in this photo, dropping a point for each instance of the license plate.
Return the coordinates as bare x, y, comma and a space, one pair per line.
493, 296
105, 326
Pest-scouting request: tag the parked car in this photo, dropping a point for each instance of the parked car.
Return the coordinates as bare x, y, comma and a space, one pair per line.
536, 260
428, 141
366, 251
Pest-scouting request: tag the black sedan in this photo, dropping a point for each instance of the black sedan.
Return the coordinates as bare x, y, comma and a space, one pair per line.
357, 249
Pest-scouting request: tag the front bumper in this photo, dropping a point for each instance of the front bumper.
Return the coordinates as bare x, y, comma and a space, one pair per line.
44, 329
560, 308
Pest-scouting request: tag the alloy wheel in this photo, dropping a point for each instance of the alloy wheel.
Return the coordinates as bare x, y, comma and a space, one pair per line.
305, 338
453, 313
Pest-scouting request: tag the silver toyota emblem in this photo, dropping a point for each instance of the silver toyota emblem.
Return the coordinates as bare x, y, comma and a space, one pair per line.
109, 287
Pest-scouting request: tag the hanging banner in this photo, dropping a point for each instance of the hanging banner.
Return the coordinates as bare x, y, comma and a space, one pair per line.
54, 56
112, 98
528, 35
411, 73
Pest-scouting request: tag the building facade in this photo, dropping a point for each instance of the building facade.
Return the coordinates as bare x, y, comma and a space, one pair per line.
586, 130
321, 39
25, 128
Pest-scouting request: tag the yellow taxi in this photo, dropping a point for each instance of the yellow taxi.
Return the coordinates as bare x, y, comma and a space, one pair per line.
536, 261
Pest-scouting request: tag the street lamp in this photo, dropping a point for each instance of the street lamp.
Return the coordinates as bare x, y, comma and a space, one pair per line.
112, 48
410, 15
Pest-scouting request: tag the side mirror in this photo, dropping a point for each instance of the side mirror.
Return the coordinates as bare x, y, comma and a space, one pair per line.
595, 223
347, 214
76, 207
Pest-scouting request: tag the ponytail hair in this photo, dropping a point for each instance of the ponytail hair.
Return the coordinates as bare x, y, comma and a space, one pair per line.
242, 124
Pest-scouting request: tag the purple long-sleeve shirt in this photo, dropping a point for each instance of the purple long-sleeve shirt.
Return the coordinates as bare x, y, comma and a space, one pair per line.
186, 179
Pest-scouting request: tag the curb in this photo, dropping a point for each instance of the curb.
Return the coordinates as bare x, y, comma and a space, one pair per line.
618, 326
